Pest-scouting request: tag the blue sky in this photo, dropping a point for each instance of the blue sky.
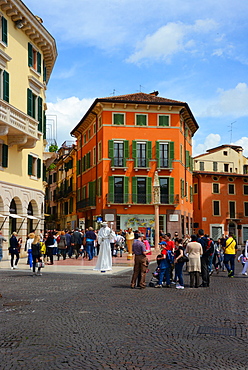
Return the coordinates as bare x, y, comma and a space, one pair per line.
189, 51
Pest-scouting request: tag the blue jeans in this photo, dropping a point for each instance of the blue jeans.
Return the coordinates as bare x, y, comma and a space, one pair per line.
164, 270
90, 249
179, 272
30, 258
229, 258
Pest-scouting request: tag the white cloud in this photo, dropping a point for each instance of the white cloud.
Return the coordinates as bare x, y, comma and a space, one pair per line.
211, 141
67, 113
171, 39
244, 143
232, 102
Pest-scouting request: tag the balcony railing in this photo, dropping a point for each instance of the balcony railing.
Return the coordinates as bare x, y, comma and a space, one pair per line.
21, 129
140, 199
86, 203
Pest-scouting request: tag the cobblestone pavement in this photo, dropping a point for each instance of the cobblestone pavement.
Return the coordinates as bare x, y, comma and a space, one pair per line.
72, 321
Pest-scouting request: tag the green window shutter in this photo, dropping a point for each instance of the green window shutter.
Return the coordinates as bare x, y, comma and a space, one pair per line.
83, 163
134, 189
118, 119
38, 62
187, 158
30, 103
88, 160
111, 151
171, 190
4, 30
5, 155
157, 154
148, 152
30, 165
182, 188
40, 113
134, 152
99, 186
39, 168
111, 189
191, 193
126, 194
77, 167
163, 121
141, 120
190, 163
126, 151
149, 190
171, 153
30, 55
6, 86
44, 173
44, 124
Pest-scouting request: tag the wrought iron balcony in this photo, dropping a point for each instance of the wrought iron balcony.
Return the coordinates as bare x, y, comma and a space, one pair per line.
140, 198
86, 203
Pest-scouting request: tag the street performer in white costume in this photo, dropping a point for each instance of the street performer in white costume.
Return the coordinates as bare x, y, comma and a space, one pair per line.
104, 261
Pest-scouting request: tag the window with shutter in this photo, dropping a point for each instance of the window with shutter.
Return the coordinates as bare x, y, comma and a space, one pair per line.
171, 153
30, 165
34, 59
4, 24
141, 119
134, 189
38, 168
149, 190
134, 152
111, 189
118, 118
40, 113
126, 189
171, 190
4, 155
111, 151
6, 86
163, 120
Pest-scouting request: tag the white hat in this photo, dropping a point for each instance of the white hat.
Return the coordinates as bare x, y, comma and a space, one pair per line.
104, 223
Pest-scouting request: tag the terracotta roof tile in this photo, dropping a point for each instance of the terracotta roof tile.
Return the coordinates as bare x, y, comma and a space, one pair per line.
141, 97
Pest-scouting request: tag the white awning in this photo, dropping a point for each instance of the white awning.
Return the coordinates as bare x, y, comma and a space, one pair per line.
3, 216
32, 217
13, 215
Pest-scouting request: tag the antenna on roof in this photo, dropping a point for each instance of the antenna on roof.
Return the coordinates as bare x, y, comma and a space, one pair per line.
231, 130
140, 87
114, 91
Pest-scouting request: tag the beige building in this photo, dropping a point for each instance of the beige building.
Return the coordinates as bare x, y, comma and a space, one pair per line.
27, 56
220, 187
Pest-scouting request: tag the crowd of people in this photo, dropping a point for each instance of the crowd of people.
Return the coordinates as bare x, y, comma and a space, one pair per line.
201, 255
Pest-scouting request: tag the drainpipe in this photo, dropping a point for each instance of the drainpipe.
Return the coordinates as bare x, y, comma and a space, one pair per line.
95, 114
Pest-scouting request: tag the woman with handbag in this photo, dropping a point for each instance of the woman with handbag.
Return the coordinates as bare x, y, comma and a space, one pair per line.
179, 262
36, 255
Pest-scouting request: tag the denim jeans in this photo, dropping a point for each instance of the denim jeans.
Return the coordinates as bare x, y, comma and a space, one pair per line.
90, 249
229, 258
164, 270
179, 272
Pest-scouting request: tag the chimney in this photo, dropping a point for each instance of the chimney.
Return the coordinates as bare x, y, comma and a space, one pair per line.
154, 93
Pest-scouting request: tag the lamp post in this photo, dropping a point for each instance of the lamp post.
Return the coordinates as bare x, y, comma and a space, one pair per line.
156, 202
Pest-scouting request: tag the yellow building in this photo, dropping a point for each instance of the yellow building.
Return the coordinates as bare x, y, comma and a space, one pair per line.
27, 56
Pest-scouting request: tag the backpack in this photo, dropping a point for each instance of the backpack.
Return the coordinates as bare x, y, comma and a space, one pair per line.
209, 248
169, 256
62, 243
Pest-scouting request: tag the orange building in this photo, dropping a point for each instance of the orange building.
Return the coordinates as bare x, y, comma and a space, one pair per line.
121, 142
221, 192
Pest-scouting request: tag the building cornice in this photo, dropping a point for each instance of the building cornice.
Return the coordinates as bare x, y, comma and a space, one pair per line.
33, 28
